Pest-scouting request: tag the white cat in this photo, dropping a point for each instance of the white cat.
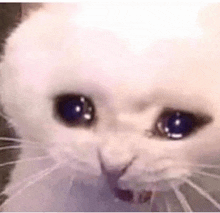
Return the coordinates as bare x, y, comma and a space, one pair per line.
117, 105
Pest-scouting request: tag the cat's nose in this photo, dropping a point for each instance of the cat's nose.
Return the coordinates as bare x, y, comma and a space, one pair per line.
115, 161
117, 150
115, 171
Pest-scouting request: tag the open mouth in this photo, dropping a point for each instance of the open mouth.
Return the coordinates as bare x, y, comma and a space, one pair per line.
127, 195
124, 194
130, 196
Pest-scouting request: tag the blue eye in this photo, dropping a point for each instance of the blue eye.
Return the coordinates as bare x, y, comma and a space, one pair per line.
178, 124
74, 110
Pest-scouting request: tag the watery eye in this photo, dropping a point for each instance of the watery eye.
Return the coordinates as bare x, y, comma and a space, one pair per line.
75, 110
179, 124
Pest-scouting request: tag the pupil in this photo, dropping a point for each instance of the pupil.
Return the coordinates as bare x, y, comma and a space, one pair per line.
179, 124
72, 110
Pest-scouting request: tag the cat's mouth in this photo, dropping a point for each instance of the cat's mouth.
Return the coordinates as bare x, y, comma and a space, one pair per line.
127, 195
131, 196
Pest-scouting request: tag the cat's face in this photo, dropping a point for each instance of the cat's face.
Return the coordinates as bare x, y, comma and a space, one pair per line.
94, 101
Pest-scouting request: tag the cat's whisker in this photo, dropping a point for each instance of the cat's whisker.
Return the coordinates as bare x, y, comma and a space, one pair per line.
17, 140
168, 207
32, 182
136, 196
26, 160
202, 192
207, 174
198, 165
16, 185
181, 198
152, 199
19, 147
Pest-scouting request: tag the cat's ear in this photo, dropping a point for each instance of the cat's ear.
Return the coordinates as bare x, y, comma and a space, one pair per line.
209, 20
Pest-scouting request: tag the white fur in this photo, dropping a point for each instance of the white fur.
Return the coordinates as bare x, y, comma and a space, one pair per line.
156, 58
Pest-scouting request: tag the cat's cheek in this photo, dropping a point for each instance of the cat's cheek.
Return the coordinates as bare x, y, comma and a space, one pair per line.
203, 146
155, 173
78, 153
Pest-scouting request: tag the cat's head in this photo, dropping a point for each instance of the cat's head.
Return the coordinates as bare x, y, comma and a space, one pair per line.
100, 105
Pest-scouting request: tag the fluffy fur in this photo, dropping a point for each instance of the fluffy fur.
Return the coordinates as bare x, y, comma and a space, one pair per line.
133, 60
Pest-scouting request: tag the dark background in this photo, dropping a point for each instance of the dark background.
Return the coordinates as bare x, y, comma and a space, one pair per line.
10, 16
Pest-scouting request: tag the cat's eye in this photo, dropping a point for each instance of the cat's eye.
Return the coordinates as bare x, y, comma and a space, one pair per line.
74, 110
175, 124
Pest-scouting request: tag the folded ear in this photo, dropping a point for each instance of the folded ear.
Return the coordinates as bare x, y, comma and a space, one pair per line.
209, 19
